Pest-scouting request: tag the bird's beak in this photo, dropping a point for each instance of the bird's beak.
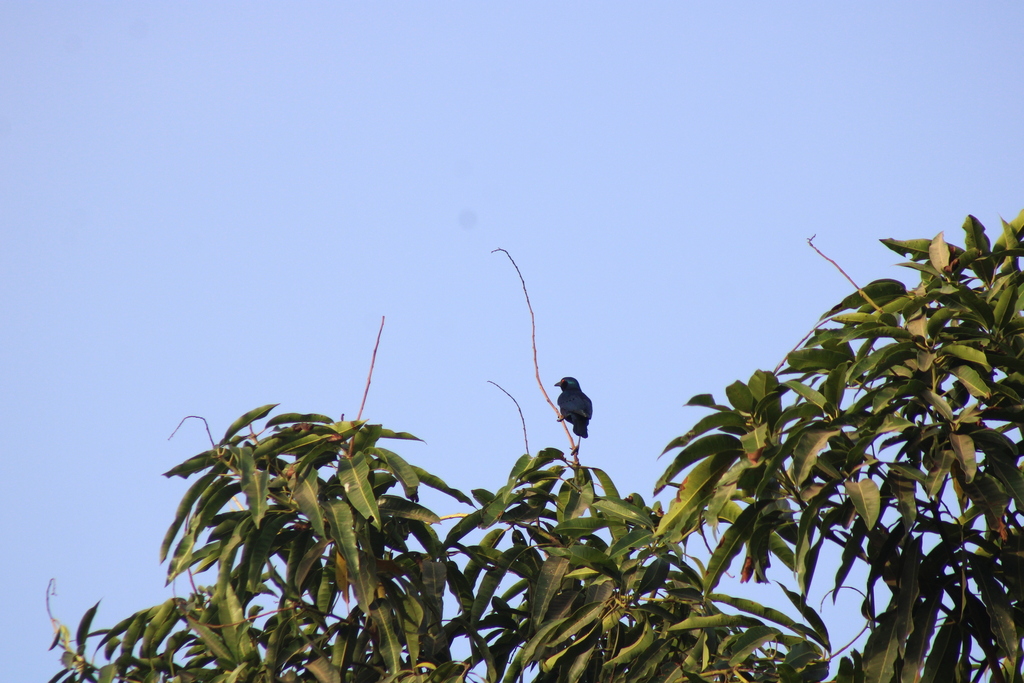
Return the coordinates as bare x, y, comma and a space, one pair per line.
558, 383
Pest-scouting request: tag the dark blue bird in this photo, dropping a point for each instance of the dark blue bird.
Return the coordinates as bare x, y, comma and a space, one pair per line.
574, 405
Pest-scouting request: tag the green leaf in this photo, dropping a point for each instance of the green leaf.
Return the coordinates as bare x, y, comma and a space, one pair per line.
549, 583
807, 393
732, 542
811, 617
438, 484
1012, 557
726, 418
938, 253
520, 468
306, 494
211, 639
906, 598
254, 484
768, 613
343, 533
940, 405
866, 500
82, 635
1008, 239
917, 248
324, 671
354, 474
972, 381
904, 489
390, 646
630, 652
986, 493
582, 555
402, 470
945, 651
637, 538
106, 673
714, 621
607, 485
1006, 471
881, 291
805, 455
654, 576
917, 645
698, 450
881, 651
740, 397
580, 619
182, 557
580, 526
705, 401
617, 510
400, 507
492, 579
999, 608
967, 353
194, 464
975, 237
184, 507
810, 360
289, 418
963, 448
694, 492
161, 620
751, 639
246, 420
365, 582
1006, 306
938, 472
258, 551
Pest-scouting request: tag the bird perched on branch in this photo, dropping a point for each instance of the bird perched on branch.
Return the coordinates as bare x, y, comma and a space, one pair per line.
574, 406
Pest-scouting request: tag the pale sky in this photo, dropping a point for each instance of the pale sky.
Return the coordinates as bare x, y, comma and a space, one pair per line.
208, 207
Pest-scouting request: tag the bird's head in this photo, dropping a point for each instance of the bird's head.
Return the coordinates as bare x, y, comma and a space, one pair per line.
568, 383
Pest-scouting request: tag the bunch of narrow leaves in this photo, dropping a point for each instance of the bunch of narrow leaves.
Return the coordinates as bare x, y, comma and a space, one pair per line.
895, 434
325, 567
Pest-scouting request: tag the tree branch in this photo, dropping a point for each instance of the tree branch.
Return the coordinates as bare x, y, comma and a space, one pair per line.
196, 417
526, 441
810, 242
533, 341
373, 360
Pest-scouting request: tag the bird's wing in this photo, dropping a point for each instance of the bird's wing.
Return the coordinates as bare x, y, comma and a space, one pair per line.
575, 402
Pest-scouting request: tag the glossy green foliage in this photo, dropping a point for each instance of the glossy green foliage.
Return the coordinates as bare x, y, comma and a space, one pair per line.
892, 438
322, 566
894, 434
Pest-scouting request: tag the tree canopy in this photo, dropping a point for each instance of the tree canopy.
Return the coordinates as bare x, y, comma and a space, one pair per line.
891, 437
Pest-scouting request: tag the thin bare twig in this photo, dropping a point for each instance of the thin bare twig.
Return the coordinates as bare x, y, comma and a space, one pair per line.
192, 620
192, 581
196, 417
526, 441
373, 360
533, 341
838, 652
51, 589
810, 242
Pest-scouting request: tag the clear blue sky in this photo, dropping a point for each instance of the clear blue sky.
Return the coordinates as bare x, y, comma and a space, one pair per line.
208, 207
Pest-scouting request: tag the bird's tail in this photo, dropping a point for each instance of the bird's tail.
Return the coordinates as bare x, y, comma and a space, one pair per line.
580, 429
